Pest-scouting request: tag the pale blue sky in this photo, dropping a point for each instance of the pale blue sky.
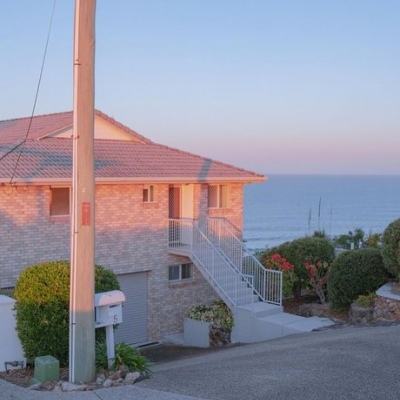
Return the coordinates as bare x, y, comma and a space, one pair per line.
296, 86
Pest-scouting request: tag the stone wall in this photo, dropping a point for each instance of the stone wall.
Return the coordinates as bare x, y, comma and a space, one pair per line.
386, 309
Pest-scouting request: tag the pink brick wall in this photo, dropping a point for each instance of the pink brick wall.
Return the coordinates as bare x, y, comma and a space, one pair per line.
131, 236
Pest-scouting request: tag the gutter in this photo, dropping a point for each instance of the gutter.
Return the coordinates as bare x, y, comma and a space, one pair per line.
130, 180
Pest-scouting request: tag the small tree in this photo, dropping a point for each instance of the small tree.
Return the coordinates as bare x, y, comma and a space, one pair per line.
318, 278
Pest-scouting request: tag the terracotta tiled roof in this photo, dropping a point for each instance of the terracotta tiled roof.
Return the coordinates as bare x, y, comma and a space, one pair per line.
50, 159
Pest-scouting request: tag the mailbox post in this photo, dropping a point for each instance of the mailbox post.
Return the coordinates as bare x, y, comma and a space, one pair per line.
108, 312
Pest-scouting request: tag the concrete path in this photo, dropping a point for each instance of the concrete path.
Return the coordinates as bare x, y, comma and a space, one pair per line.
335, 364
12, 392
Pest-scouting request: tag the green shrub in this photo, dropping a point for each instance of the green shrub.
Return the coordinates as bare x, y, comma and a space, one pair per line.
391, 248
125, 355
366, 300
42, 305
354, 273
129, 356
299, 251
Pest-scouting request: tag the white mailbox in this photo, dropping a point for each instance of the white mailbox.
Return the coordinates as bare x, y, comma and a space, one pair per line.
108, 312
108, 308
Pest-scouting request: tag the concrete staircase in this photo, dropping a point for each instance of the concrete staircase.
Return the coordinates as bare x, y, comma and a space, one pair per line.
262, 321
251, 291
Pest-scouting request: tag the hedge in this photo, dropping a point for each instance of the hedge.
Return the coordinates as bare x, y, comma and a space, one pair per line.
354, 273
391, 248
42, 306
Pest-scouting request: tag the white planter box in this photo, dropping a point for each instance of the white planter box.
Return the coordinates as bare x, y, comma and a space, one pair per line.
10, 346
196, 333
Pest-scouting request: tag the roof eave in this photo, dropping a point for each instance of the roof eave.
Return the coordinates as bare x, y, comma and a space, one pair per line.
130, 180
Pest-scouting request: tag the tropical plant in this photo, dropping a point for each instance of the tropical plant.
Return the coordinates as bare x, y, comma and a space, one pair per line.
125, 356
128, 356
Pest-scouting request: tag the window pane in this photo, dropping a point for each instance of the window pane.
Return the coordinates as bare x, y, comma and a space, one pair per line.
151, 193
59, 201
173, 272
145, 195
223, 196
186, 271
213, 196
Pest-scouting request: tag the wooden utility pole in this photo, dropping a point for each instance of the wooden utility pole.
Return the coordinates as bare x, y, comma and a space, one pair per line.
82, 330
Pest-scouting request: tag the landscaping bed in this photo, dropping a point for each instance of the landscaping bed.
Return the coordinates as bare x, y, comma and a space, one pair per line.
307, 306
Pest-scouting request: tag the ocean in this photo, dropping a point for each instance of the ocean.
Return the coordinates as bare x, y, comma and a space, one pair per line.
286, 207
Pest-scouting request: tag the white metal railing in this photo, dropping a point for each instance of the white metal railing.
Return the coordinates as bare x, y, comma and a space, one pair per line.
267, 283
233, 286
226, 261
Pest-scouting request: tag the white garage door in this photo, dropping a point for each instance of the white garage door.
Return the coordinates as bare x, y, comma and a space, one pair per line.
134, 312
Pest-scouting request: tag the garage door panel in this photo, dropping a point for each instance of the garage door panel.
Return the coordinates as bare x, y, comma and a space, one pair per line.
134, 312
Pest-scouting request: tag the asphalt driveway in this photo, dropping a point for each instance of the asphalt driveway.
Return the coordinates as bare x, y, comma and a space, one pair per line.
349, 363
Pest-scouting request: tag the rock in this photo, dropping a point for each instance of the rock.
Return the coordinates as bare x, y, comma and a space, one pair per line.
387, 309
361, 315
35, 386
72, 387
107, 383
115, 375
57, 387
124, 370
48, 385
131, 377
100, 379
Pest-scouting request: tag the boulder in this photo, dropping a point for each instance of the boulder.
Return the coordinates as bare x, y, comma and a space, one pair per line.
361, 315
107, 383
131, 377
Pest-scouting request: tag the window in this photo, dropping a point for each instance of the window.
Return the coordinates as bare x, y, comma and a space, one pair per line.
217, 196
180, 272
59, 201
148, 194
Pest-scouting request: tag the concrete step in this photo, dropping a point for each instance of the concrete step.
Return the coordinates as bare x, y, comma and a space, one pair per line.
261, 309
310, 324
256, 323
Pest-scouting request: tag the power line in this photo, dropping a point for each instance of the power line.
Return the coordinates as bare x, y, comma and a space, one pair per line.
36, 94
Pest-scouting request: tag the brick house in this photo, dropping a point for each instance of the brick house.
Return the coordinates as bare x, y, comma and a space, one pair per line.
147, 197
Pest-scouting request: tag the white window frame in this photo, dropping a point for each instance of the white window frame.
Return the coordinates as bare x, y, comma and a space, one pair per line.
220, 203
180, 278
51, 201
151, 194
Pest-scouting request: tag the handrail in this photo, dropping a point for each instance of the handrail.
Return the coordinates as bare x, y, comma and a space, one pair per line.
267, 283
233, 286
231, 226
